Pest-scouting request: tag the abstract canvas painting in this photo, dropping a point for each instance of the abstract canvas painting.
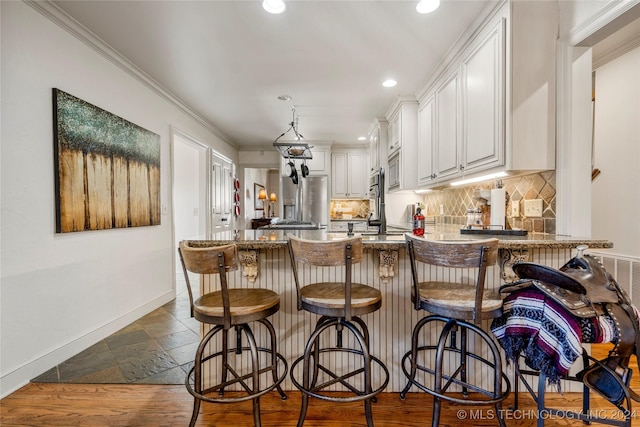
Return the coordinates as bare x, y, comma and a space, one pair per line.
107, 169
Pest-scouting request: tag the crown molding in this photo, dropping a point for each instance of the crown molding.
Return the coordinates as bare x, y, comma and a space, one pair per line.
82, 33
616, 52
583, 34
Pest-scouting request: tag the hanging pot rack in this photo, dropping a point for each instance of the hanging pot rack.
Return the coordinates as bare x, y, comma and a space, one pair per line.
293, 149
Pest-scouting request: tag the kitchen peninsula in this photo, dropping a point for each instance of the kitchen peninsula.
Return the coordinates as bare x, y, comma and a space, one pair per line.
265, 263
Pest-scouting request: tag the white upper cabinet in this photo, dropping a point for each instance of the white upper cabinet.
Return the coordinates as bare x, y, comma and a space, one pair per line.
426, 116
349, 174
403, 144
449, 162
483, 103
320, 164
394, 136
492, 108
378, 136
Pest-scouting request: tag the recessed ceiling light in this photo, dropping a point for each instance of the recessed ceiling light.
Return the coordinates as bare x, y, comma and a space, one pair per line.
389, 83
274, 6
362, 138
427, 6
284, 98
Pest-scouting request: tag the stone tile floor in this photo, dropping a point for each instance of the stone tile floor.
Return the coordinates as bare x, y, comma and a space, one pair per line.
158, 348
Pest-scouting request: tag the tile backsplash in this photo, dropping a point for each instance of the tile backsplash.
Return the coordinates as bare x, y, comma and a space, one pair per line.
349, 209
456, 200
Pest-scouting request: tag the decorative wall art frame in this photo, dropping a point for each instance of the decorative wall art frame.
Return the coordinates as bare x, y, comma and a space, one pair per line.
258, 204
107, 169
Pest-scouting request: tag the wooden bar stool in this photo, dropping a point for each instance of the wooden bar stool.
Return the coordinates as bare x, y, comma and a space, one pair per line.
340, 303
226, 309
455, 306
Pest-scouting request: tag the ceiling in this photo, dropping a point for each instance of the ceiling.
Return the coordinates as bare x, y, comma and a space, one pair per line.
230, 60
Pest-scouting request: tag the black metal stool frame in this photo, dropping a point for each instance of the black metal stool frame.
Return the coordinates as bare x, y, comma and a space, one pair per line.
311, 357
449, 330
585, 415
193, 380
452, 324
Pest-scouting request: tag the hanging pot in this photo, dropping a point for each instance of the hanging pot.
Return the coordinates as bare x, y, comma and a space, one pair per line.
304, 169
290, 169
237, 210
236, 183
237, 197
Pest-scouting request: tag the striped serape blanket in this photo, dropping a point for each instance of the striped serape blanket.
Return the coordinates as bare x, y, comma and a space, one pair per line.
547, 336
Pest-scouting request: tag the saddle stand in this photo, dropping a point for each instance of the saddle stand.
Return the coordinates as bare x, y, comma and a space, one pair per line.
585, 289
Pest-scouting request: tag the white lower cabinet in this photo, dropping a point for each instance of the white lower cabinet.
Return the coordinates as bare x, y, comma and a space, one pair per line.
359, 226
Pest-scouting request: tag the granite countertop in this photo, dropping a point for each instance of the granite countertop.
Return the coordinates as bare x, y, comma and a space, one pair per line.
395, 239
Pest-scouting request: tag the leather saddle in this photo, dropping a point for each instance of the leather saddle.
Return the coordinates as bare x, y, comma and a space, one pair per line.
587, 290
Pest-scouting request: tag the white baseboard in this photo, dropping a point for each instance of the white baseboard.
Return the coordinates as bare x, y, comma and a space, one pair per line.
21, 376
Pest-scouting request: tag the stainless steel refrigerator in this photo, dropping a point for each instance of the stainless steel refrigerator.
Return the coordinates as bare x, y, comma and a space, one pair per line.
311, 205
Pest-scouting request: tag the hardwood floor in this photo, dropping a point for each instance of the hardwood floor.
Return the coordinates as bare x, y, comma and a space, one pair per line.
132, 405
96, 405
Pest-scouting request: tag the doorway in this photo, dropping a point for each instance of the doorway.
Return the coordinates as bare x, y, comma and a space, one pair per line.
189, 189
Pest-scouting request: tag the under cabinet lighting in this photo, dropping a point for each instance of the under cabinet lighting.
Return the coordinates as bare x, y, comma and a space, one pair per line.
479, 178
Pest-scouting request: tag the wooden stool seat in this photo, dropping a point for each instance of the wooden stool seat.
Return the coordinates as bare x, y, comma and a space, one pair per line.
245, 305
328, 298
457, 300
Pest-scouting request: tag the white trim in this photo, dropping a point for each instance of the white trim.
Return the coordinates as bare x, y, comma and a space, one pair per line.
12, 381
616, 52
69, 24
563, 135
613, 10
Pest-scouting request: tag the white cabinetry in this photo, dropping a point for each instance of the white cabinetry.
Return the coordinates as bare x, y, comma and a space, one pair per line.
377, 145
459, 124
320, 164
483, 103
493, 108
358, 226
447, 143
403, 144
426, 140
349, 177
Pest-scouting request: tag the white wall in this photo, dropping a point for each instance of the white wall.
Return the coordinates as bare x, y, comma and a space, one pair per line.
61, 293
616, 191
